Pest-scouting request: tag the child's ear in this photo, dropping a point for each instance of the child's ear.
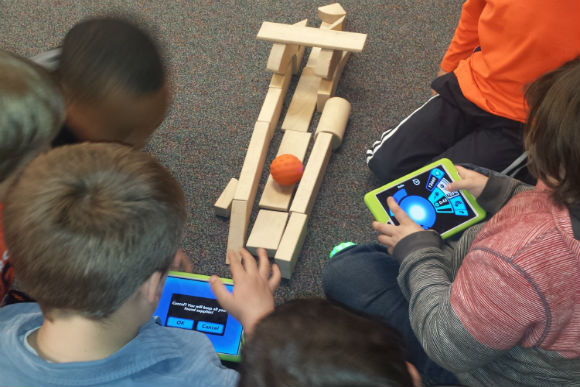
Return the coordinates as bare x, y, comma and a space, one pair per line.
153, 287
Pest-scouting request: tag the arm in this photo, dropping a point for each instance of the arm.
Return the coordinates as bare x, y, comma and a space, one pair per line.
492, 191
466, 38
463, 323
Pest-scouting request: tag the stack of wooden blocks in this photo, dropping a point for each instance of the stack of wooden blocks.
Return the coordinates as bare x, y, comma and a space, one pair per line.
280, 228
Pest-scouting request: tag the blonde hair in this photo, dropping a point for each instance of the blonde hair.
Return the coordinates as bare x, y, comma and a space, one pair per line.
31, 111
87, 224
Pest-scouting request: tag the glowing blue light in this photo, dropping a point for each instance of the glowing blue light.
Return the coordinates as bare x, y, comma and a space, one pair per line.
420, 210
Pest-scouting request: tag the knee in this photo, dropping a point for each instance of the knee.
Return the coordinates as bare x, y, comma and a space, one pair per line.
349, 269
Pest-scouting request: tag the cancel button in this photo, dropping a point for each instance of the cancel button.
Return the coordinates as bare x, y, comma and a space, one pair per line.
209, 327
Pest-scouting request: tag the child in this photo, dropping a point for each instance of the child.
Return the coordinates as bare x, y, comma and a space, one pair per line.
31, 113
92, 229
313, 342
501, 306
114, 82
499, 47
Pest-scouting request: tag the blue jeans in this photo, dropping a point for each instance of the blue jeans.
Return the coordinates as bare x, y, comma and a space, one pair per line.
364, 278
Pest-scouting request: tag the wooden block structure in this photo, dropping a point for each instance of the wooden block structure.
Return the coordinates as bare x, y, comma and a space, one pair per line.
223, 205
267, 231
280, 232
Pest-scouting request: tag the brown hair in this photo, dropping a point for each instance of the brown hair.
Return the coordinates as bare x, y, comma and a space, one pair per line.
103, 52
87, 224
31, 111
552, 132
314, 342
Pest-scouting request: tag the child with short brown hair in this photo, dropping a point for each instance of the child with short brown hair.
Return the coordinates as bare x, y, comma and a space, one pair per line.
31, 113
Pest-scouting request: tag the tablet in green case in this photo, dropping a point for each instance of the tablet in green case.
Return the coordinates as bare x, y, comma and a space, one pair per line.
423, 196
188, 303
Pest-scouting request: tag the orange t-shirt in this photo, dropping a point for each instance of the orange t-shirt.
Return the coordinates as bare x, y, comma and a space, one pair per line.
519, 40
6, 270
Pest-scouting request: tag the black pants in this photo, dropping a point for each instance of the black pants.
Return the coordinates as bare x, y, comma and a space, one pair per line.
448, 125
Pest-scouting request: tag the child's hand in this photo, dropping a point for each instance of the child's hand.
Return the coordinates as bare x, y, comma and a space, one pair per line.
253, 295
391, 235
472, 181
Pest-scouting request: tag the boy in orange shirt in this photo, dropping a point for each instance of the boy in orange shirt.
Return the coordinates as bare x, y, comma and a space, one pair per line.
499, 47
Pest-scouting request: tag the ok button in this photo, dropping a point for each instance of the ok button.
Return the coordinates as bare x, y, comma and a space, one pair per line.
209, 327
179, 323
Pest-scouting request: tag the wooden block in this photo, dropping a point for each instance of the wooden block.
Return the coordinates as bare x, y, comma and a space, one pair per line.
334, 119
223, 205
331, 12
291, 243
303, 102
327, 62
267, 231
281, 81
313, 174
327, 87
338, 25
253, 163
239, 219
280, 57
272, 107
309, 36
276, 196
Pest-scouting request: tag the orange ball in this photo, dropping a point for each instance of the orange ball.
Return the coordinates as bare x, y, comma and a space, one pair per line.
286, 169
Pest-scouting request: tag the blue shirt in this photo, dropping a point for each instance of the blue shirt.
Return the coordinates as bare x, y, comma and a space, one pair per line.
157, 356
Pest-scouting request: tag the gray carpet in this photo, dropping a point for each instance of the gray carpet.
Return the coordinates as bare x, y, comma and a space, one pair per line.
219, 80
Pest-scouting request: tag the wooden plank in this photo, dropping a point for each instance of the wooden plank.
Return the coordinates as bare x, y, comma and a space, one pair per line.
327, 87
303, 102
331, 12
309, 36
313, 174
276, 196
272, 107
253, 163
223, 204
291, 243
239, 219
267, 231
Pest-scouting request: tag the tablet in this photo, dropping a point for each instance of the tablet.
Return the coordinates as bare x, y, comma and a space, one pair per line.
188, 303
422, 194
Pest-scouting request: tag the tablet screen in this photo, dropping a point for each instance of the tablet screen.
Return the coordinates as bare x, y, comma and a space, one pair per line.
426, 200
189, 303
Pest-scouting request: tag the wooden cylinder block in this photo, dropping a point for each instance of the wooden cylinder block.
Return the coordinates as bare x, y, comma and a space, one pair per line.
334, 119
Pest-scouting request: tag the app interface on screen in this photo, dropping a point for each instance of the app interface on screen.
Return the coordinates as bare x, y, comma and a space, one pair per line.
426, 200
190, 304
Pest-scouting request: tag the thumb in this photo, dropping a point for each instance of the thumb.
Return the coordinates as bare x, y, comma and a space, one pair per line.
224, 297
